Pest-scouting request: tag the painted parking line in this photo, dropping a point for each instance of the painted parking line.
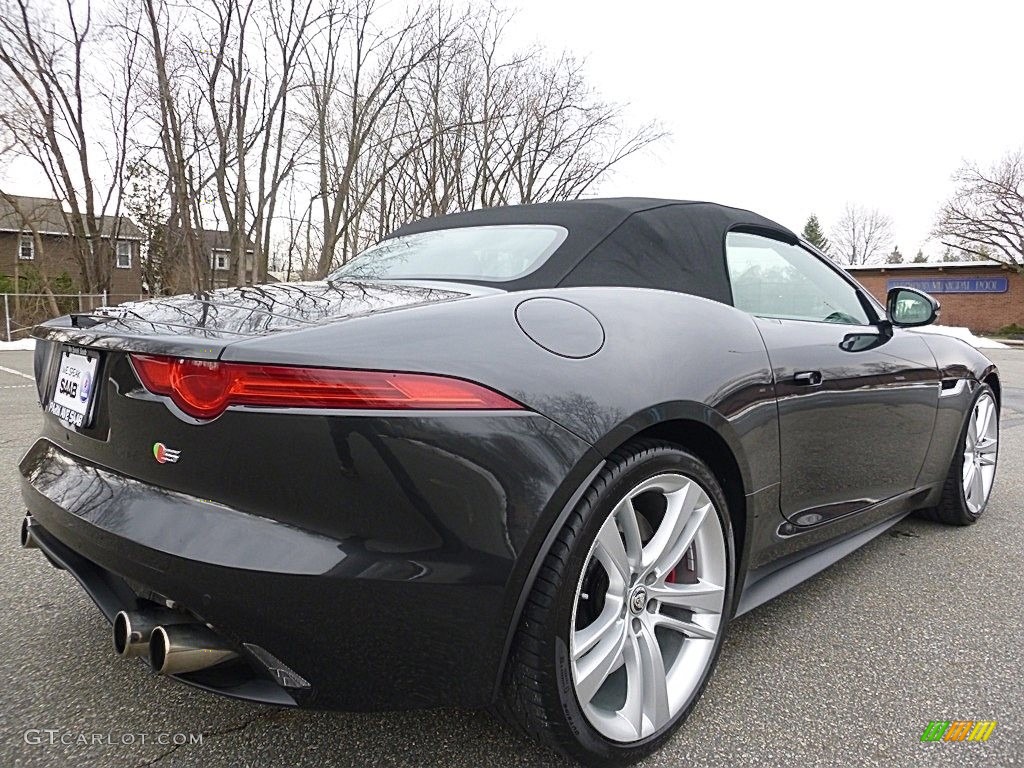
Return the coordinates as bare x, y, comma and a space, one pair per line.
17, 373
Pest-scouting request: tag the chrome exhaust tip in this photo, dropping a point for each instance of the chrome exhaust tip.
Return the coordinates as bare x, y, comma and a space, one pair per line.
28, 541
176, 649
134, 629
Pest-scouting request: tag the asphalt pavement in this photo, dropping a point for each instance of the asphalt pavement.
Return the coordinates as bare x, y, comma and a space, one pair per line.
924, 623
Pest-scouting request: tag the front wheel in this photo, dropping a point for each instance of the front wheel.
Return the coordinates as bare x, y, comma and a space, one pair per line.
624, 624
968, 485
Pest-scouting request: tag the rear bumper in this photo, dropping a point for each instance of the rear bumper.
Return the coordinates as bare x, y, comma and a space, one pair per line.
369, 624
241, 680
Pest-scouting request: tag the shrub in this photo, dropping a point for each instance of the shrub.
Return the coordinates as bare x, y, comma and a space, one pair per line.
1011, 330
27, 310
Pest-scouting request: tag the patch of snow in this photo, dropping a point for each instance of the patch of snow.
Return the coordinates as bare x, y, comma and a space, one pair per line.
26, 345
978, 342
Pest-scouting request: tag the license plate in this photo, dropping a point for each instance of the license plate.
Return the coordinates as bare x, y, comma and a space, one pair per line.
75, 387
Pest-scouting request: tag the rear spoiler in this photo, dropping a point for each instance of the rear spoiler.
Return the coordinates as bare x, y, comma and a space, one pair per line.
117, 334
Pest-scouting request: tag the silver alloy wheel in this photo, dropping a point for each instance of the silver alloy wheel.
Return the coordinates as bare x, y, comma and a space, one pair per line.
980, 451
637, 662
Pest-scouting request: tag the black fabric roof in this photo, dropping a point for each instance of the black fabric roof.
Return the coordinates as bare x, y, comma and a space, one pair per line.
638, 242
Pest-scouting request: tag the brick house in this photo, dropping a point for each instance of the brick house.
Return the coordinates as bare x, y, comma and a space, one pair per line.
21, 254
216, 245
981, 295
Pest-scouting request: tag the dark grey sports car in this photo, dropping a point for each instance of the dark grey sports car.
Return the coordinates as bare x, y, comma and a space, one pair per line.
530, 458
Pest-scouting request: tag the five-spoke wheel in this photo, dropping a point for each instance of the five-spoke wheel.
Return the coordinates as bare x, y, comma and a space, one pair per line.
972, 472
981, 447
624, 623
648, 607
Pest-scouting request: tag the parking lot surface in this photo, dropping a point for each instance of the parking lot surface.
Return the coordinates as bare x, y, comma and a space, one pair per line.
924, 623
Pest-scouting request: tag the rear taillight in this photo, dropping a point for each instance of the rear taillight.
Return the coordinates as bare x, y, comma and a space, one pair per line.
204, 388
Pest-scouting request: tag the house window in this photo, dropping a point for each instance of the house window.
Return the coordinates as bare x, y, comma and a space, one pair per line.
219, 260
124, 254
27, 248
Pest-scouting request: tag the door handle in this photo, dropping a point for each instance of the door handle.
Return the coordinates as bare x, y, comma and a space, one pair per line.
807, 378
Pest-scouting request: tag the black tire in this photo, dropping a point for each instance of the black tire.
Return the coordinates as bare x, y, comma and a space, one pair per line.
952, 508
539, 698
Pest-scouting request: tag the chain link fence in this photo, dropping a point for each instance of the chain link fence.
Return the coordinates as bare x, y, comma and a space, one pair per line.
21, 311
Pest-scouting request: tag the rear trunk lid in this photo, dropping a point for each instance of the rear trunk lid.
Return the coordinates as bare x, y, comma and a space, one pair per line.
77, 355
97, 410
202, 325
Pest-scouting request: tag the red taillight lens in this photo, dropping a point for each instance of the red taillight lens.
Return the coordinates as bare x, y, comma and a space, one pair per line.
203, 388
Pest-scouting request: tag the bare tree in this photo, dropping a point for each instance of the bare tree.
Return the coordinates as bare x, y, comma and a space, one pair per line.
519, 129
283, 137
861, 236
221, 59
985, 216
71, 119
7, 140
569, 138
243, 55
182, 242
356, 77
431, 117
306, 128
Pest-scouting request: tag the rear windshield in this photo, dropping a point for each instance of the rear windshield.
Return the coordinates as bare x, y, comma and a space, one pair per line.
488, 254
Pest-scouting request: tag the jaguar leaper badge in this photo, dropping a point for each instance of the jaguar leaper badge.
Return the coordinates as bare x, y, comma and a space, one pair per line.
165, 455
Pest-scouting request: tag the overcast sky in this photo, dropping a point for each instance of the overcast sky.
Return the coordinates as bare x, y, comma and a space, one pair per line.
791, 108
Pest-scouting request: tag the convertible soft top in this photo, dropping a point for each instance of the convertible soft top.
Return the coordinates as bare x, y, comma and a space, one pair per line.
675, 245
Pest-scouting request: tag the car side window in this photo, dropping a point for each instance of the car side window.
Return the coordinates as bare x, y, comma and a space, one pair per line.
771, 278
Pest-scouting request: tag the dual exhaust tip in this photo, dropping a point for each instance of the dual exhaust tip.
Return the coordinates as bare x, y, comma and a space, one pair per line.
173, 643
28, 539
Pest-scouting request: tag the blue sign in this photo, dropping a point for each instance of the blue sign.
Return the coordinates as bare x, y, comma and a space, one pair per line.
954, 284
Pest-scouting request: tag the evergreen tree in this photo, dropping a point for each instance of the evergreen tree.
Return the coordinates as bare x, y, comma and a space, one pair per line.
920, 258
962, 253
815, 235
895, 257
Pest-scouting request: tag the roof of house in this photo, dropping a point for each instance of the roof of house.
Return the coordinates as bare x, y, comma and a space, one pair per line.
219, 240
19, 213
925, 265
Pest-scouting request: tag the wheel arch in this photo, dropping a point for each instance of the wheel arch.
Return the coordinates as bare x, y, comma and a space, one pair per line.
710, 447
991, 377
707, 434
691, 426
